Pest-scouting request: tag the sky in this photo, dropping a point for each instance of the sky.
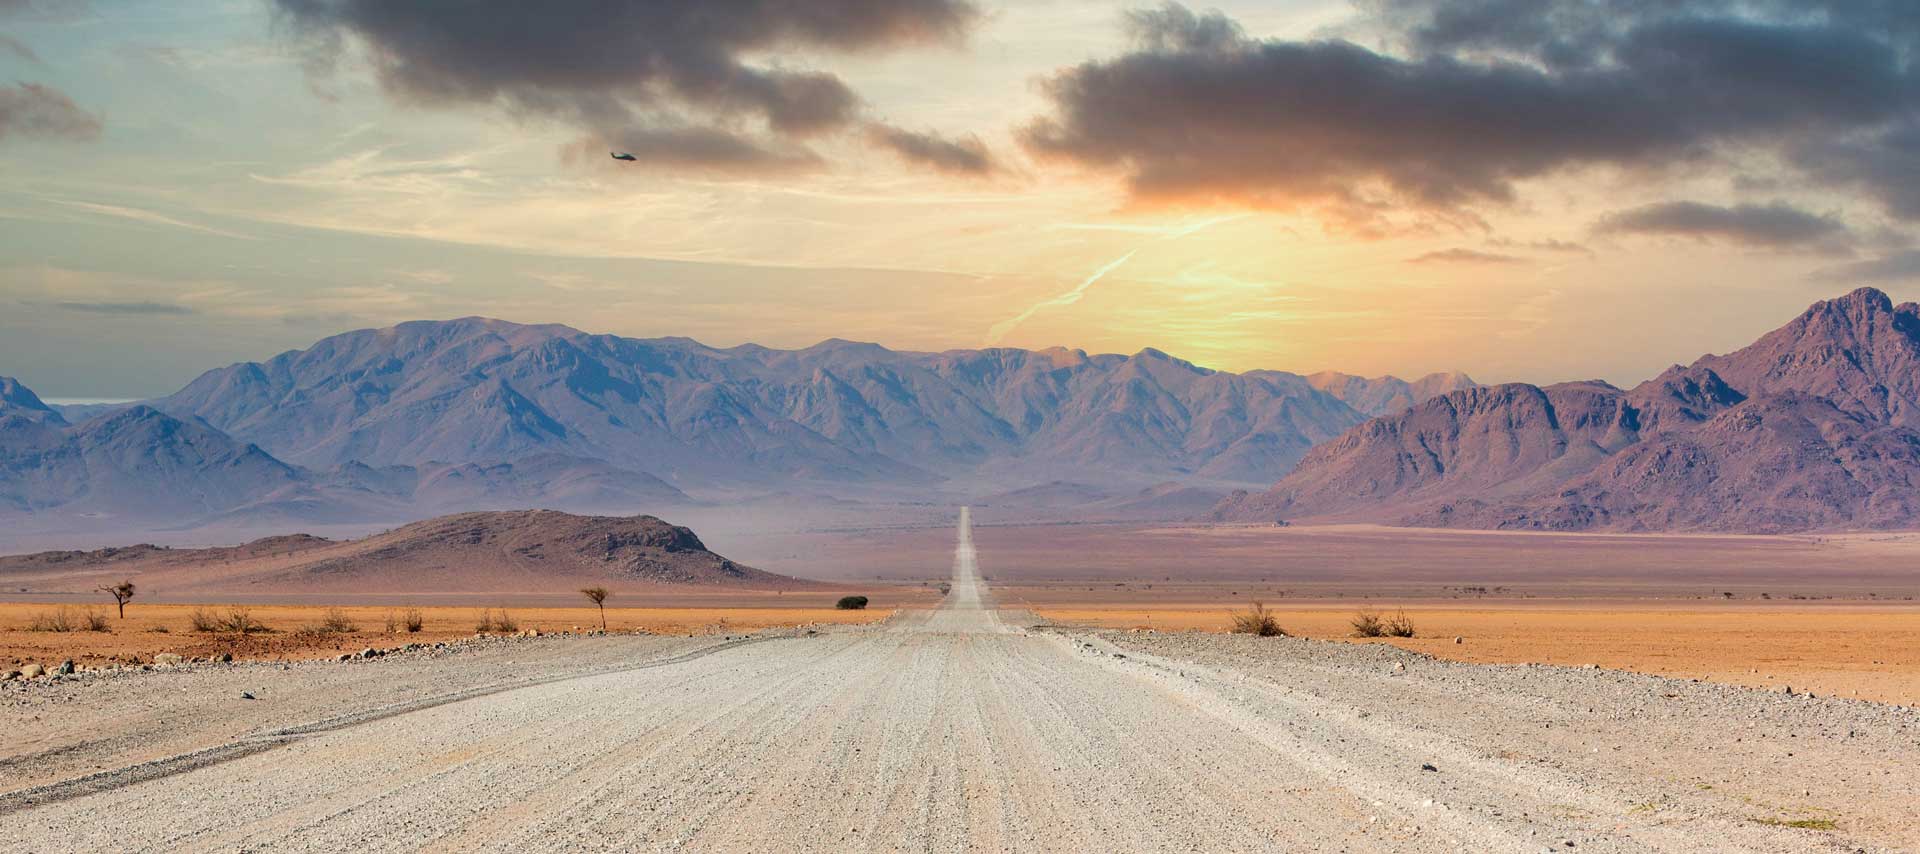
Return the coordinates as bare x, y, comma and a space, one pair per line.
1525, 190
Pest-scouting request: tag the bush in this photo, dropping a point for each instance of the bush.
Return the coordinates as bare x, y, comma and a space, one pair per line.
1257, 620
1367, 624
203, 620
96, 621
504, 623
336, 621
236, 620
1400, 626
851, 603
412, 620
57, 620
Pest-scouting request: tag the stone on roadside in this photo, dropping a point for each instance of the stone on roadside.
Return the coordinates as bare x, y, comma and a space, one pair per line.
168, 658
32, 671
63, 668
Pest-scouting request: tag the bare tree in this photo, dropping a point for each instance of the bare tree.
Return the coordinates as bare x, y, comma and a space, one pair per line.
598, 595
121, 593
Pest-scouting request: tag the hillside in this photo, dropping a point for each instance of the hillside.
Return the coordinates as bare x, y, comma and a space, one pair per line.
1809, 428
493, 551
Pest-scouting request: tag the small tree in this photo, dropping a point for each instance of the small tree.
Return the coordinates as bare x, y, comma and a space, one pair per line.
598, 596
121, 593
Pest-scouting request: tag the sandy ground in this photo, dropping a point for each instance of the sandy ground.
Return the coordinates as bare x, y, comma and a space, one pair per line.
1864, 651
956, 729
149, 629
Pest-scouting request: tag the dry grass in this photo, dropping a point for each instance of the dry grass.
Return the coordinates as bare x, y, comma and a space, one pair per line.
1367, 624
491, 623
336, 621
64, 619
412, 620
237, 619
1257, 620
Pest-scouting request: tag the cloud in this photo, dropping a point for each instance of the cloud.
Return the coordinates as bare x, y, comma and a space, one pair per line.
1484, 95
964, 156
1549, 245
1899, 266
126, 308
679, 82
146, 216
35, 111
1466, 256
1773, 226
16, 47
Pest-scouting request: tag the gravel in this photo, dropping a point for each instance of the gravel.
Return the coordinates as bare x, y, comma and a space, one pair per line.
963, 728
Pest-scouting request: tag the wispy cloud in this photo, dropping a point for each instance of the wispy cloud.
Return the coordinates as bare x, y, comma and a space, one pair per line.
151, 218
1001, 329
126, 308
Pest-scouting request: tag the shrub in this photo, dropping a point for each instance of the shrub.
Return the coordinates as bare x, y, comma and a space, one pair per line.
1400, 626
851, 603
393, 623
237, 620
159, 630
336, 621
96, 621
1257, 620
412, 620
504, 623
1367, 624
203, 620
57, 620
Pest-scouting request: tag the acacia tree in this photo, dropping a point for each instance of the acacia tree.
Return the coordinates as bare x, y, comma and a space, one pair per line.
121, 593
598, 595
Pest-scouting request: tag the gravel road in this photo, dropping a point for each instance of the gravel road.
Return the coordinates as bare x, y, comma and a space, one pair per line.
961, 728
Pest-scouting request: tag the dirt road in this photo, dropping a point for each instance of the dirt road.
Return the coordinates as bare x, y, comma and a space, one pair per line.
965, 728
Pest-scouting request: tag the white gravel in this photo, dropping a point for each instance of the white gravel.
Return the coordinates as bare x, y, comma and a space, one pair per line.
958, 729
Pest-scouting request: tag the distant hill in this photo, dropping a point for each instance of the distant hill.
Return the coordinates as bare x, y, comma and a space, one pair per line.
1811, 427
496, 551
1372, 396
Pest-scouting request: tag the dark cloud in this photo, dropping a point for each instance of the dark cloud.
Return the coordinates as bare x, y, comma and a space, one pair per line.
1899, 266
1566, 246
35, 111
8, 44
964, 156
1772, 226
1484, 95
1465, 256
126, 308
679, 81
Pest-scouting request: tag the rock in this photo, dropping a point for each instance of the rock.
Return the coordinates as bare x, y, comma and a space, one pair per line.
1427, 766
345, 656
168, 658
1459, 639
63, 668
32, 671
223, 658
246, 695
369, 652
1399, 667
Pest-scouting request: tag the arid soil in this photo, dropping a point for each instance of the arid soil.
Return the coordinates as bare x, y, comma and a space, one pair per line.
1866, 652
962, 728
1358, 560
298, 632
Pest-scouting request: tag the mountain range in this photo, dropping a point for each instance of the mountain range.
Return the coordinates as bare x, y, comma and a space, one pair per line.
437, 416
1812, 427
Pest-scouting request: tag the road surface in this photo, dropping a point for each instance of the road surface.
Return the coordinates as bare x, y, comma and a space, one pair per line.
961, 728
